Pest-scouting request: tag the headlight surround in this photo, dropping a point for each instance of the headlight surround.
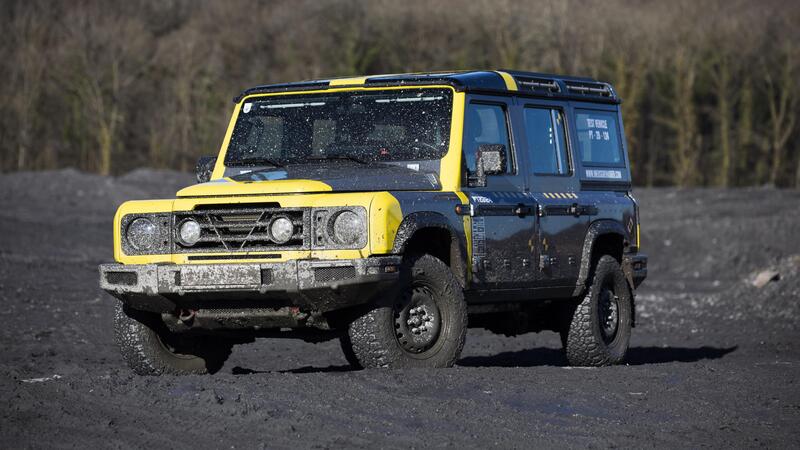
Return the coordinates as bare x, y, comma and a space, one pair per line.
281, 229
189, 232
347, 227
142, 234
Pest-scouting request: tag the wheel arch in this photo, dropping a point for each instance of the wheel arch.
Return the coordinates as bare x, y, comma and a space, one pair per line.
602, 237
431, 232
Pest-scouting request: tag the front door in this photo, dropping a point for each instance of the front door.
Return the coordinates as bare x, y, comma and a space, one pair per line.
503, 213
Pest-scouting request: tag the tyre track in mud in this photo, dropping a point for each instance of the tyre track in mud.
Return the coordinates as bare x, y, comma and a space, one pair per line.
714, 361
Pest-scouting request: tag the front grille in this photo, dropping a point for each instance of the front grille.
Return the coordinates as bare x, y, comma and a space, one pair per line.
242, 229
327, 274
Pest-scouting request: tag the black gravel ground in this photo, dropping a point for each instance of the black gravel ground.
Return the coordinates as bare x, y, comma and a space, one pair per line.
714, 360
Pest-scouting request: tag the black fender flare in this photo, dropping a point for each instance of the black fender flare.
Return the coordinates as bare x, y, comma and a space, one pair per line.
421, 220
596, 229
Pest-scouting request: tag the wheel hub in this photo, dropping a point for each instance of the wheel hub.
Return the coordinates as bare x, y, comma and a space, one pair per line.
417, 321
608, 304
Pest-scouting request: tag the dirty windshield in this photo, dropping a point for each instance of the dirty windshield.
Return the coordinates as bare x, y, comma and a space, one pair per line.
360, 126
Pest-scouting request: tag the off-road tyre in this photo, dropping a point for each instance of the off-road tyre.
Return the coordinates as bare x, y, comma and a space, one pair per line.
383, 336
349, 354
599, 329
150, 349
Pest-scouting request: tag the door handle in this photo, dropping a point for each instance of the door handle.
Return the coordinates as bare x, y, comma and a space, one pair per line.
569, 210
523, 210
520, 210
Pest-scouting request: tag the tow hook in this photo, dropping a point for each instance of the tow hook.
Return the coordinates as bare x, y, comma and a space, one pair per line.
186, 315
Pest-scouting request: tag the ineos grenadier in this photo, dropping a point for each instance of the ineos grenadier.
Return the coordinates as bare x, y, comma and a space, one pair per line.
390, 212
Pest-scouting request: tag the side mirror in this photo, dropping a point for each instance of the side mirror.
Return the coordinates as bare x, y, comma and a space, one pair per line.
490, 160
204, 168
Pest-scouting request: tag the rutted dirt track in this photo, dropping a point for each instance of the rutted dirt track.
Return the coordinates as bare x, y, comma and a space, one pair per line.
714, 361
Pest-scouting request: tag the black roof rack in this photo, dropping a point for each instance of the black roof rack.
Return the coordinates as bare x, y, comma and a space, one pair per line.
537, 84
590, 88
524, 83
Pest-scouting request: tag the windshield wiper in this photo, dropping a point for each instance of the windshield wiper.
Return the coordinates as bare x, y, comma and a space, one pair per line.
257, 161
340, 156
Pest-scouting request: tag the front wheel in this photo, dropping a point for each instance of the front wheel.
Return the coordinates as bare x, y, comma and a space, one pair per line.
150, 349
424, 325
599, 329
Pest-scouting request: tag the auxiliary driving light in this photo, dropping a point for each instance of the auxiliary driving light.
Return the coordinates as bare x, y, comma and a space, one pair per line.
189, 232
281, 230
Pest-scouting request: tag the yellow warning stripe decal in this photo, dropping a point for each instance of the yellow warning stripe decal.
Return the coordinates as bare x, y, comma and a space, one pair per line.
511, 83
555, 195
348, 81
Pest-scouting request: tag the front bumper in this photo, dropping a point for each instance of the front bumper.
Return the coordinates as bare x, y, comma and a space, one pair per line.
312, 285
635, 268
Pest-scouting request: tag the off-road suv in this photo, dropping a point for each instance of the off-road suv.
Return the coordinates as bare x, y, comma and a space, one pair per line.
390, 212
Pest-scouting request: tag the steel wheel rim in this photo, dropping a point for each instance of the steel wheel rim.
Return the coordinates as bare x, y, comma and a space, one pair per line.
417, 320
608, 313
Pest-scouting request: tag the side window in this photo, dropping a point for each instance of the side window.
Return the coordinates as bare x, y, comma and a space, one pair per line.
598, 138
547, 141
486, 124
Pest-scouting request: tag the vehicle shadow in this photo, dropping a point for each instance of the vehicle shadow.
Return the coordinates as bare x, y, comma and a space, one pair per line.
543, 356
637, 356
305, 369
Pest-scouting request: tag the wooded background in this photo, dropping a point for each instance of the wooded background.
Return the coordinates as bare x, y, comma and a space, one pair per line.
710, 88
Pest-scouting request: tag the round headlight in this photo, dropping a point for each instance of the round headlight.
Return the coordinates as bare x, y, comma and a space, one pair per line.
141, 234
347, 227
189, 232
281, 230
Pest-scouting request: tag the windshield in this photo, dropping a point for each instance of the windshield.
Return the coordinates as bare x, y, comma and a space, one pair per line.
364, 126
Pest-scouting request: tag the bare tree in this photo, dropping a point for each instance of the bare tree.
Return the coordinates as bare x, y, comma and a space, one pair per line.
111, 86
107, 55
30, 34
782, 100
682, 119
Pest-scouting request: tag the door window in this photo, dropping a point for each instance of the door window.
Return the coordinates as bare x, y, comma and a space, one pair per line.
486, 124
547, 141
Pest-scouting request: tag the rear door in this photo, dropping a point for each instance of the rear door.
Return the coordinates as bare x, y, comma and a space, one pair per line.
504, 221
563, 214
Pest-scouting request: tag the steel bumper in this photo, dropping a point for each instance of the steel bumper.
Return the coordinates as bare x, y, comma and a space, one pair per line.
309, 284
635, 268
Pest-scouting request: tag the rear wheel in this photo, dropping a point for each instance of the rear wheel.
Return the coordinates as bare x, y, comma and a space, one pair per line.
150, 349
599, 329
423, 326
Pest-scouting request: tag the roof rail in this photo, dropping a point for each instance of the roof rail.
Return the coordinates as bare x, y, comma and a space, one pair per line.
537, 84
589, 89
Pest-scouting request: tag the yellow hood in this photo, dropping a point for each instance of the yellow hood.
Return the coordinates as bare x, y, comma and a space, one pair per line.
227, 187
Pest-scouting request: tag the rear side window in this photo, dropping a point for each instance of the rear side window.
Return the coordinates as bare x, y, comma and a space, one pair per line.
486, 124
598, 138
546, 141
